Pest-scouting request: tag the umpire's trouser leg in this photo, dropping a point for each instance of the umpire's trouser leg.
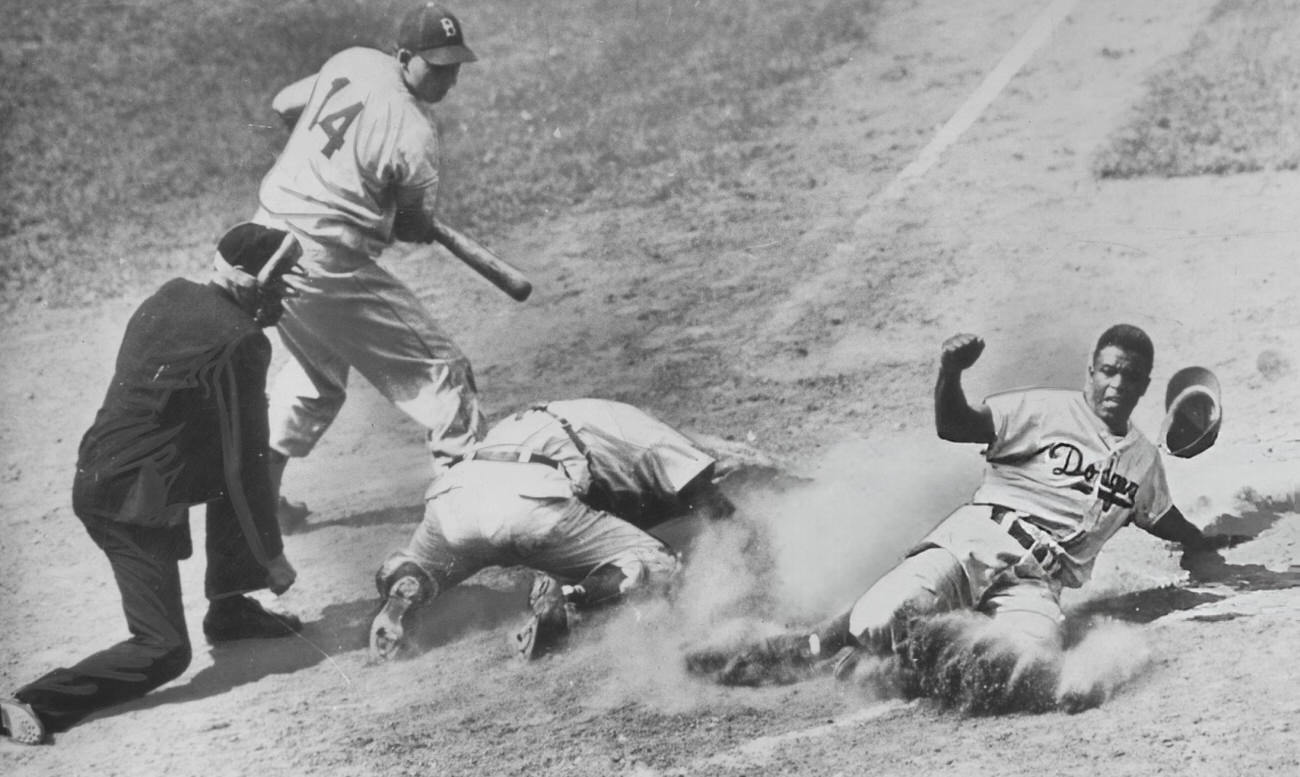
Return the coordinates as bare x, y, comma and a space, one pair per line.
145, 565
232, 569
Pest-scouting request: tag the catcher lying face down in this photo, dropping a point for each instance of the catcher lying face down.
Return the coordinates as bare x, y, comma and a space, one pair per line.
566, 488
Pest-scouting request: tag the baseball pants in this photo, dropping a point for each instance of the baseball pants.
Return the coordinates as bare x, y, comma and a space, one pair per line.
366, 319
932, 581
465, 530
145, 563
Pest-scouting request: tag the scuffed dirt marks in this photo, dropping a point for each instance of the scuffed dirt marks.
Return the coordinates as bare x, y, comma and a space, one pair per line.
970, 663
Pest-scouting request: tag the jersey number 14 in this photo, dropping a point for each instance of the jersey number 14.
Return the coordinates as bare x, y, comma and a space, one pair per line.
335, 125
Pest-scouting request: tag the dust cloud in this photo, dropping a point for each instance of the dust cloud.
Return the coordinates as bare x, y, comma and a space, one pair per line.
790, 557
797, 555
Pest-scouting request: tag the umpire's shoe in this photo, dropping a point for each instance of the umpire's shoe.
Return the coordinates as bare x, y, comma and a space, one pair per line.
548, 627
20, 723
240, 617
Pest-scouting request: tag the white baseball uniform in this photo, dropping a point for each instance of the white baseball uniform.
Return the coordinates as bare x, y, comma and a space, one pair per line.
361, 139
530, 503
1058, 485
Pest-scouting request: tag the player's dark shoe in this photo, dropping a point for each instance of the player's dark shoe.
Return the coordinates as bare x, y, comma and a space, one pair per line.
548, 627
292, 516
20, 723
387, 632
240, 617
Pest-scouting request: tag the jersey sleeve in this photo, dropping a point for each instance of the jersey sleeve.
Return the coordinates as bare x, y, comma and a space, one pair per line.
1157, 500
1014, 420
411, 162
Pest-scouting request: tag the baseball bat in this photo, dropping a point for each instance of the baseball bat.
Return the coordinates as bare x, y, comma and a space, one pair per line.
501, 273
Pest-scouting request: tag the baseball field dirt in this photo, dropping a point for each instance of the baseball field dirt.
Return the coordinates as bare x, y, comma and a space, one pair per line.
812, 336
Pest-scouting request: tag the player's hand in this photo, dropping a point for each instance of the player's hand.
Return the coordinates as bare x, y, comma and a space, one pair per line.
280, 575
961, 351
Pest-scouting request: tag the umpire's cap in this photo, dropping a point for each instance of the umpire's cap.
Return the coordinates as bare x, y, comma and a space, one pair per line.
260, 251
432, 32
1193, 412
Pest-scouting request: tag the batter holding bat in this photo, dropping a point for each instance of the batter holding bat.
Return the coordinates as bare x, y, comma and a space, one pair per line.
360, 171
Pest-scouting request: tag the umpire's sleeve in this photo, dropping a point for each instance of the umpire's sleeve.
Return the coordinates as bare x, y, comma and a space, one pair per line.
244, 446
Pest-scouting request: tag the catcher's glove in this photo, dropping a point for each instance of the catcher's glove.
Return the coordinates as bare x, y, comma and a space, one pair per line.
1193, 412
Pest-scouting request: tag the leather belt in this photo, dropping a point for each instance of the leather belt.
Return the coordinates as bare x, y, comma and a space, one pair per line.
520, 455
1039, 549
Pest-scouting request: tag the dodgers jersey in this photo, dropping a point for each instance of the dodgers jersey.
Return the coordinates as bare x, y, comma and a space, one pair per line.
1054, 459
360, 139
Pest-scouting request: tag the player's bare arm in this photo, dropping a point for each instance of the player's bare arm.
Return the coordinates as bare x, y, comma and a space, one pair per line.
1173, 526
955, 419
415, 209
290, 101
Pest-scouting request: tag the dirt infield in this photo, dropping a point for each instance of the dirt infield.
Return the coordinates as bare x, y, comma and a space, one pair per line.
814, 338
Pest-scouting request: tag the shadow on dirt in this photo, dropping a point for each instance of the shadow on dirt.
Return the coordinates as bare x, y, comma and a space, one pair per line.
1135, 607
409, 514
1266, 511
465, 609
1204, 569
342, 628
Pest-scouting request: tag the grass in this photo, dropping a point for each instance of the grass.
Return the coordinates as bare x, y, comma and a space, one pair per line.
1229, 104
133, 133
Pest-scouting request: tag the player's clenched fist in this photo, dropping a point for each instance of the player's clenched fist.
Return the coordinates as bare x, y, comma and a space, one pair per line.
961, 351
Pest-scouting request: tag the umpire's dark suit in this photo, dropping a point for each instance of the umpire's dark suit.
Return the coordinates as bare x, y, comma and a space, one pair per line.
184, 422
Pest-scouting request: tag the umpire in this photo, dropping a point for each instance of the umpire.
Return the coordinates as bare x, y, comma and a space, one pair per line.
184, 422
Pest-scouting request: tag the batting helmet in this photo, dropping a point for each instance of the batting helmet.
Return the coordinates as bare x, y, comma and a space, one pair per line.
1193, 412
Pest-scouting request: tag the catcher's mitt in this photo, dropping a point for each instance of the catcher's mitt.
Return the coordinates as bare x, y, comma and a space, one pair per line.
1193, 412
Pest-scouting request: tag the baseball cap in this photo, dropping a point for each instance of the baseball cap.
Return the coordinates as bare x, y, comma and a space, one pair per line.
435, 34
257, 250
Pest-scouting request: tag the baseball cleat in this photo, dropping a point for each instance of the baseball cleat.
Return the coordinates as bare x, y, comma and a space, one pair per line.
387, 634
549, 624
20, 723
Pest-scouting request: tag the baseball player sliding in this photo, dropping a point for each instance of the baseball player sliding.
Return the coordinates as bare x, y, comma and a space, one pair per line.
566, 488
1066, 470
359, 171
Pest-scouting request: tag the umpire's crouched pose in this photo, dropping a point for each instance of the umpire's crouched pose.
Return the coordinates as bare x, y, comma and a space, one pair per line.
183, 423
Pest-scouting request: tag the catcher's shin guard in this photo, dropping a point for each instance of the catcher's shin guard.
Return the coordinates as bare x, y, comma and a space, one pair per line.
403, 588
